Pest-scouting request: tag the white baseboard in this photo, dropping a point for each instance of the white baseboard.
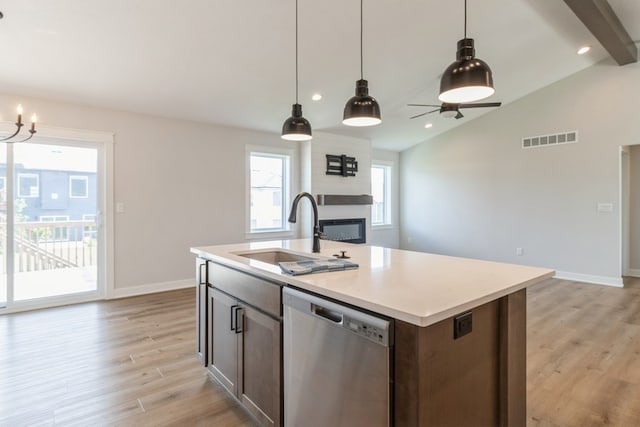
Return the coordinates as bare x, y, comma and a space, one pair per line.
632, 272
151, 288
588, 278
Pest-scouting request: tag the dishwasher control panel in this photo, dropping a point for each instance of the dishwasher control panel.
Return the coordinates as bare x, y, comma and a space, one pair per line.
368, 326
367, 330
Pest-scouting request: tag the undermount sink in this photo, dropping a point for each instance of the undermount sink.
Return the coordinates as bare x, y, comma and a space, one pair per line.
275, 256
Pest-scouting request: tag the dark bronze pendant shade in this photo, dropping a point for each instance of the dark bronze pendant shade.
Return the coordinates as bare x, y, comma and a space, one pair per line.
361, 109
468, 78
296, 127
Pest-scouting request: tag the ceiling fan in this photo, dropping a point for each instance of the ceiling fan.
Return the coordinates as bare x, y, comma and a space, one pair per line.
453, 110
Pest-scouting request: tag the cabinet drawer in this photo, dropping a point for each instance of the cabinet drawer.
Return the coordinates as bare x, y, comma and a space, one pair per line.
253, 290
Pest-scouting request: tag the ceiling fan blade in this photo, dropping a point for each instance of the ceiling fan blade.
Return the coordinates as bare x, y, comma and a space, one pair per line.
481, 105
424, 114
423, 105
459, 115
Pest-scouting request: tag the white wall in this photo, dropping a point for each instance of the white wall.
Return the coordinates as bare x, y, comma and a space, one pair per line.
182, 183
389, 236
316, 181
475, 192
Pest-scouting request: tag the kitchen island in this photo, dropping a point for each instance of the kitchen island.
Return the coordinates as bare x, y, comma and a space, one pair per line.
459, 355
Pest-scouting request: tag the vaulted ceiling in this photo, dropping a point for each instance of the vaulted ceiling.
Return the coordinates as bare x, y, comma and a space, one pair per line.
231, 62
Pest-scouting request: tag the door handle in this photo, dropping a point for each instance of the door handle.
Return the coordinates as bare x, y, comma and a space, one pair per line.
234, 317
239, 325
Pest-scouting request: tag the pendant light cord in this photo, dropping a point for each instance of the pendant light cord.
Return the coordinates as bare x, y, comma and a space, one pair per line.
361, 55
465, 19
297, 51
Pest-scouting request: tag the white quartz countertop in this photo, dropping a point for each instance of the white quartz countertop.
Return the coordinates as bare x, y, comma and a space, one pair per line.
416, 287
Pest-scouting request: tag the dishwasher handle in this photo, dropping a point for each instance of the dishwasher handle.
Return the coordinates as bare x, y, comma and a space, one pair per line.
326, 313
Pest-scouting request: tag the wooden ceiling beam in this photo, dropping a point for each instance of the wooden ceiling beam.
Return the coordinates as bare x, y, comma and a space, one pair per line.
604, 24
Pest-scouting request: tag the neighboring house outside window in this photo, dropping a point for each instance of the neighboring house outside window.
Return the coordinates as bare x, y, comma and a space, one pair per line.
89, 231
58, 233
381, 191
78, 187
269, 190
3, 188
28, 185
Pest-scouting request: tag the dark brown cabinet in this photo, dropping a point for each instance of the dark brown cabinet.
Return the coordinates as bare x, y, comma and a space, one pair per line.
201, 310
245, 343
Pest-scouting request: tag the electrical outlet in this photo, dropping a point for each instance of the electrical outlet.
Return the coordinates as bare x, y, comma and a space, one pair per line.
462, 325
519, 251
409, 240
119, 207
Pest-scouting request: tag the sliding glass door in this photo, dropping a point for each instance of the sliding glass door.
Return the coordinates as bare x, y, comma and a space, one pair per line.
49, 229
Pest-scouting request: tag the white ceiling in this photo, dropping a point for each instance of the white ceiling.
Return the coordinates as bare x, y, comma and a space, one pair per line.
232, 61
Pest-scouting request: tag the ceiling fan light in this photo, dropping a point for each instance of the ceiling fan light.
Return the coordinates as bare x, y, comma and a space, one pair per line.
361, 109
296, 127
468, 78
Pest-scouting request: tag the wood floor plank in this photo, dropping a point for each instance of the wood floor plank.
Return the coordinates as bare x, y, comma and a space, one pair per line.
123, 362
583, 354
131, 362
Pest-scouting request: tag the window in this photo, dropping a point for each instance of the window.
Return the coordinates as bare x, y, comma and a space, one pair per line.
78, 187
3, 189
380, 189
55, 232
28, 185
269, 190
89, 231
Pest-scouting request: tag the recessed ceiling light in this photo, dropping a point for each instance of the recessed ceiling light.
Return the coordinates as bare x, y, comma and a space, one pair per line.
428, 125
583, 50
316, 97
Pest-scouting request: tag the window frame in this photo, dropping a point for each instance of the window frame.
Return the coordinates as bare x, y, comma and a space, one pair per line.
84, 178
387, 167
30, 175
287, 190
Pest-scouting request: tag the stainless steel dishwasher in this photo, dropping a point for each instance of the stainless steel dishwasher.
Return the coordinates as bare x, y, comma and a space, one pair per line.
337, 364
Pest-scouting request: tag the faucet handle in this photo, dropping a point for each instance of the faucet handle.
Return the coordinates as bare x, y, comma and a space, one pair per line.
343, 255
322, 235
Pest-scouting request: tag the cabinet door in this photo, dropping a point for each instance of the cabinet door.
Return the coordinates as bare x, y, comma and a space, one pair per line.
201, 310
223, 352
260, 389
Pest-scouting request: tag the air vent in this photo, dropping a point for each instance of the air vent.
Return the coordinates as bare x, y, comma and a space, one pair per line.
548, 140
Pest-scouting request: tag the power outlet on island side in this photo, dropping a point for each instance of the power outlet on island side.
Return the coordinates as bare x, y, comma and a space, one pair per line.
462, 325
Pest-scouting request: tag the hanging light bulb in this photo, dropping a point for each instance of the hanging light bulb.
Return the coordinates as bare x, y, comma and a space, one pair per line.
362, 109
468, 78
296, 127
19, 126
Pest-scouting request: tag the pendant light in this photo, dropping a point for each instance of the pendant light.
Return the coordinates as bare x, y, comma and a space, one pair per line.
362, 109
468, 78
296, 127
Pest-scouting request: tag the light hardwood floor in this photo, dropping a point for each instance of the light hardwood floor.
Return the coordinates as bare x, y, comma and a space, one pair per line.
128, 362
583, 354
131, 362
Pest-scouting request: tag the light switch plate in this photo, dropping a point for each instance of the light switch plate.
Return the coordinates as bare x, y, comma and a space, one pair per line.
605, 207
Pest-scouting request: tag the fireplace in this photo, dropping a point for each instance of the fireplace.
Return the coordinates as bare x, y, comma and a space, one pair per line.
350, 230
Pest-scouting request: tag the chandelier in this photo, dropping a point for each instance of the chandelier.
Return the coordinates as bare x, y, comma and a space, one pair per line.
19, 125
